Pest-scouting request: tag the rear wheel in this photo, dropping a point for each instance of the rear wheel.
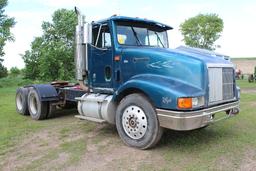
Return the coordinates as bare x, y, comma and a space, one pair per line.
21, 101
38, 110
137, 122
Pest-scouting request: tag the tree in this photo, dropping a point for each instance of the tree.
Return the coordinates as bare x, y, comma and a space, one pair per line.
14, 71
202, 31
52, 55
3, 71
5, 24
31, 59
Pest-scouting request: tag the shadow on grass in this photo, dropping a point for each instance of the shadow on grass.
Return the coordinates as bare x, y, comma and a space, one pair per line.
194, 138
175, 139
61, 113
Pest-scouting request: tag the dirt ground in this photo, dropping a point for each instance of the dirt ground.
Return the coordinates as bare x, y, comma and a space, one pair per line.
67, 143
249, 90
104, 150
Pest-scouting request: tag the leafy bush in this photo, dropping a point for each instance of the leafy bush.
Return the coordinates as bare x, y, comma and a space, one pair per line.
3, 71
52, 55
14, 71
6, 23
15, 81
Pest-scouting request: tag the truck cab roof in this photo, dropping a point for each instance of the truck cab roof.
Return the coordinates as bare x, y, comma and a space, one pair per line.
135, 20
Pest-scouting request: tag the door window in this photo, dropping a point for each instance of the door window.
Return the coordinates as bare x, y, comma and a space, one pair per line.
101, 36
101, 56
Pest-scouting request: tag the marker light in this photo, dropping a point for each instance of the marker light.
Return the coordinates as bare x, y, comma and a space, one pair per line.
185, 103
189, 102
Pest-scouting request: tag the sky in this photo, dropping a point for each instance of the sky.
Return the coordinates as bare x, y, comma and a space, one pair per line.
237, 40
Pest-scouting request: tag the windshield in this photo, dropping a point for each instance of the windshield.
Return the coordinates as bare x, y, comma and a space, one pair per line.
141, 35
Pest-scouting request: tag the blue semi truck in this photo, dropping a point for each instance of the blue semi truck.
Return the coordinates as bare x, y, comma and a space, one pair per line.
128, 76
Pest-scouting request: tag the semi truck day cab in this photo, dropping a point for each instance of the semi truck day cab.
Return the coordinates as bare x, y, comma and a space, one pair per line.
129, 77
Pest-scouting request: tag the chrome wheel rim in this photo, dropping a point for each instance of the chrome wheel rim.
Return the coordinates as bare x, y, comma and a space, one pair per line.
19, 101
134, 122
33, 104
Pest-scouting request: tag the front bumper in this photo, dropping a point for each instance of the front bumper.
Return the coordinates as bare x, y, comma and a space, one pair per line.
183, 121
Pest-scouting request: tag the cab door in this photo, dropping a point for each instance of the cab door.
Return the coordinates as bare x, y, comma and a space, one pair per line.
101, 72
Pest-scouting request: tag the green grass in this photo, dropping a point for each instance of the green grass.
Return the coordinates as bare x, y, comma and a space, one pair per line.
14, 128
245, 84
12, 125
222, 146
14, 81
74, 150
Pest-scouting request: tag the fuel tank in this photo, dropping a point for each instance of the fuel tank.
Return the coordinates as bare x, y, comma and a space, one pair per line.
97, 106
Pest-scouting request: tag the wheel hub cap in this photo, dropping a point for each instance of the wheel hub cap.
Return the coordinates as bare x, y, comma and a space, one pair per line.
134, 122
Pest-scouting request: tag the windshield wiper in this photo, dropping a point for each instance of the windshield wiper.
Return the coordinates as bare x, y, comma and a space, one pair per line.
158, 38
136, 36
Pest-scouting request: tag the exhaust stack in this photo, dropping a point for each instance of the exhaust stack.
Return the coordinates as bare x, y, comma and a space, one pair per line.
82, 39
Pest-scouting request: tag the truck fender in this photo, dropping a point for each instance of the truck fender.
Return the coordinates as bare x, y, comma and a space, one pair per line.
46, 92
161, 91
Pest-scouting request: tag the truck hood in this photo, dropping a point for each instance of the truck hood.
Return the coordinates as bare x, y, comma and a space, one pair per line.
203, 55
181, 64
206, 55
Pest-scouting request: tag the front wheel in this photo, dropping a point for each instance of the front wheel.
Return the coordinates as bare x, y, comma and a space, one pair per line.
137, 122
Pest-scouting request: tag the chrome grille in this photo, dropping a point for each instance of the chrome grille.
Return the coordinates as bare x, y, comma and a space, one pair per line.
221, 84
228, 83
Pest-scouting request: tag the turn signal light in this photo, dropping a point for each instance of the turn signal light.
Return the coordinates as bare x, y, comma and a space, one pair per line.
185, 103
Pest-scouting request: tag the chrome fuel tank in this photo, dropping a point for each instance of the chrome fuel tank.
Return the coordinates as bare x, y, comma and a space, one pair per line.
97, 106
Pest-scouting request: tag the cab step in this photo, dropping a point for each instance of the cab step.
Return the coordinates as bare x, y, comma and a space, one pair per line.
90, 118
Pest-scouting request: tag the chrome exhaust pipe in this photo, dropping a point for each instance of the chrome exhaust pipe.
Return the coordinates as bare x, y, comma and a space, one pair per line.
79, 47
82, 39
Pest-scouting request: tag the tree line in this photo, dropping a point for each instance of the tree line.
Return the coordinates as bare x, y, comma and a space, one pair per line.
51, 56
6, 23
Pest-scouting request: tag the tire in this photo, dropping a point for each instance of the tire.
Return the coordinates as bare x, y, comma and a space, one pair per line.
69, 105
137, 123
38, 110
21, 101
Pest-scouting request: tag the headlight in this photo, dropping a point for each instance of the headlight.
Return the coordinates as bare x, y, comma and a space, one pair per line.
190, 102
198, 101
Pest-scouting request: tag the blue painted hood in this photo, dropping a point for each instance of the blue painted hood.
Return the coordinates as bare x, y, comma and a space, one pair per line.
185, 66
202, 55
166, 73
205, 55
